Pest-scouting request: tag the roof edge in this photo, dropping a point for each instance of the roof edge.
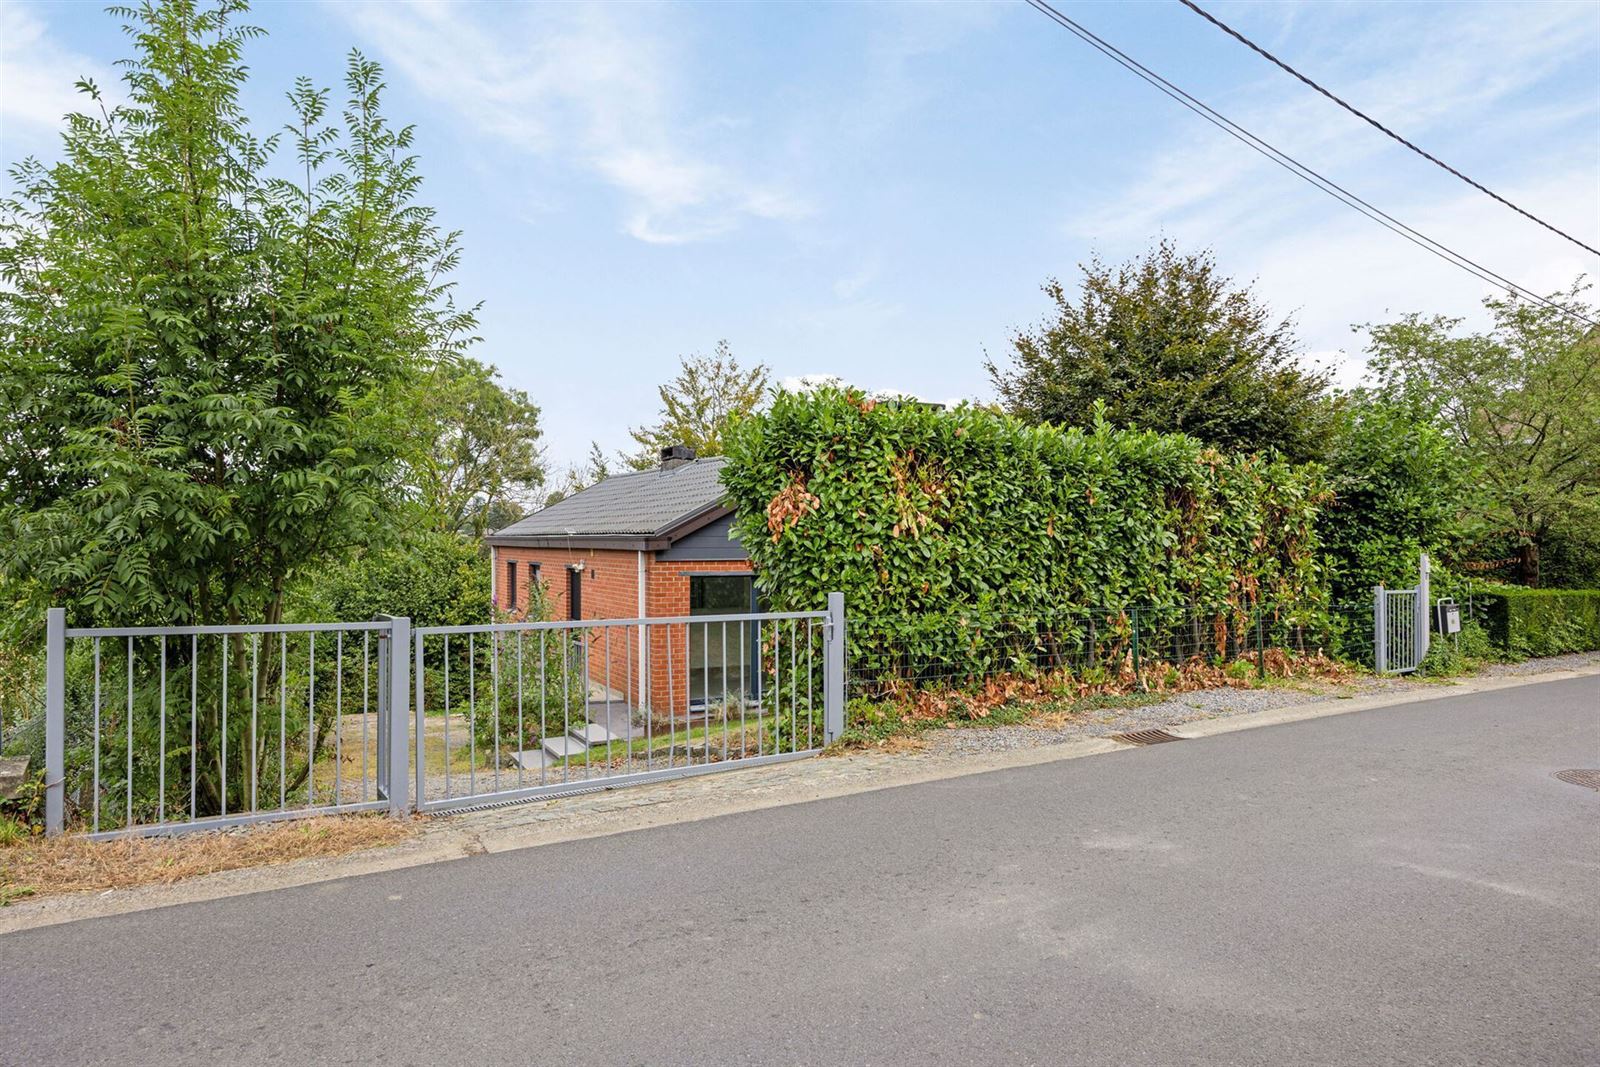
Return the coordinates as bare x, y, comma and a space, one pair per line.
626, 542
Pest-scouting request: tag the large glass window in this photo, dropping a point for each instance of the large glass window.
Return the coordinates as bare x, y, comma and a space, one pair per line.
714, 648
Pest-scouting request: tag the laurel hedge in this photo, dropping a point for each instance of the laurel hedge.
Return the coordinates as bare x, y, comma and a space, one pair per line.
916, 513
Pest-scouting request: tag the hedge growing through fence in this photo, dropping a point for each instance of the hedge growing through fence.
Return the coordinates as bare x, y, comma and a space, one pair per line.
1009, 528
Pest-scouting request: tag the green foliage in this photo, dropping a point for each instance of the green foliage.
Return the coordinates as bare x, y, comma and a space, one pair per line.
935, 524
1523, 403
205, 367
432, 578
700, 403
547, 675
1543, 622
1570, 558
483, 464
1398, 483
1167, 344
1455, 654
580, 476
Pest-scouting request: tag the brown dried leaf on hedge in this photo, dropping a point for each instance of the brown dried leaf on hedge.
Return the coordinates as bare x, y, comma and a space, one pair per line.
793, 503
930, 705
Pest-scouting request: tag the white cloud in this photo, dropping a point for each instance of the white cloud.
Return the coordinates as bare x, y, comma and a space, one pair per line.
37, 76
1480, 72
581, 84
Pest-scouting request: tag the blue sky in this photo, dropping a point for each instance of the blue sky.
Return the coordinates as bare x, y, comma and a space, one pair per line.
877, 191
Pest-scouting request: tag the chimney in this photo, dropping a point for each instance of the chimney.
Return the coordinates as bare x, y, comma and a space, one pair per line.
676, 456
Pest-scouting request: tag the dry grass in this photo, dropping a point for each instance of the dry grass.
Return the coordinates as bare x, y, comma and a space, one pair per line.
45, 866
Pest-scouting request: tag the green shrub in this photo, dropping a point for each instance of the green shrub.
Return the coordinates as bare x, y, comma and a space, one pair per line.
434, 579
1544, 622
964, 537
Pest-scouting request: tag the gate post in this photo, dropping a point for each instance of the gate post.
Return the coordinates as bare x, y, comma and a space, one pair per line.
1380, 629
55, 720
399, 682
833, 670
420, 735
1424, 624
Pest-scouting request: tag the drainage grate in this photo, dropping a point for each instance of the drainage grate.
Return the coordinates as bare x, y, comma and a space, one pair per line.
1145, 737
1589, 779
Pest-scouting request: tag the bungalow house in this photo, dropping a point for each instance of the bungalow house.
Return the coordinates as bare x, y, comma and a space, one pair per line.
647, 544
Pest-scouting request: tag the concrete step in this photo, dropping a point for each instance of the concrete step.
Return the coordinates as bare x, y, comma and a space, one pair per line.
592, 733
532, 759
561, 747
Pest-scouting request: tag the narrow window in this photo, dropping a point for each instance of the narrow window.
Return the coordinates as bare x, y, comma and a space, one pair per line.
511, 584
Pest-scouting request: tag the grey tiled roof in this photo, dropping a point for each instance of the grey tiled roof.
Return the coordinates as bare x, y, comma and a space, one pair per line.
644, 503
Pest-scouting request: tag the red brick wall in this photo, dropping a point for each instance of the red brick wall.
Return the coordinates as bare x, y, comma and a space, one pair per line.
611, 591
667, 595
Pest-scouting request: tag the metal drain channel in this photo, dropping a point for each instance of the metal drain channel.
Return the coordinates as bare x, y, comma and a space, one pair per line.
1586, 777
1145, 737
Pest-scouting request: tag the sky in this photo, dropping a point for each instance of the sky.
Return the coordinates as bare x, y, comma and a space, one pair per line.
877, 191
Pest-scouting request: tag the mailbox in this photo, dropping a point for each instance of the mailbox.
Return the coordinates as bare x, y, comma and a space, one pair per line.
1449, 617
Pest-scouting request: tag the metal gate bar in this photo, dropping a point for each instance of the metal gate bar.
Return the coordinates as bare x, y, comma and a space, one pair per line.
562, 707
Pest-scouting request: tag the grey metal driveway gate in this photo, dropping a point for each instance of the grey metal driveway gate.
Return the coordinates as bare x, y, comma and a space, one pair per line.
160, 729
517, 711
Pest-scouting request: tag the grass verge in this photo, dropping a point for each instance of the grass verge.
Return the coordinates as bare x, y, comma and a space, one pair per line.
39, 866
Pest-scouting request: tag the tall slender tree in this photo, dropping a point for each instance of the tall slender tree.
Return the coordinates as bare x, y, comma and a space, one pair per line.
698, 405
204, 363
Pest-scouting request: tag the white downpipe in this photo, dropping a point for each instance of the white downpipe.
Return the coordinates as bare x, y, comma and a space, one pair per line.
494, 579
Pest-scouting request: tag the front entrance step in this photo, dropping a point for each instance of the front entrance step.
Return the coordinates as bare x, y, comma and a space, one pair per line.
563, 747
532, 759
592, 733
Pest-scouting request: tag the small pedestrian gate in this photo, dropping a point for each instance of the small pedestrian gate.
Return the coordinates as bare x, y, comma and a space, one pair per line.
1400, 625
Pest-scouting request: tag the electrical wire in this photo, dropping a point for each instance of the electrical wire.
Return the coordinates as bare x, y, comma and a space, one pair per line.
1369, 120
1299, 169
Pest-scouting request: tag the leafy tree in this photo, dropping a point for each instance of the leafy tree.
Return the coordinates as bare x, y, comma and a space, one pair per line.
1398, 482
204, 366
483, 461
435, 578
698, 405
580, 476
207, 366
1169, 345
1522, 400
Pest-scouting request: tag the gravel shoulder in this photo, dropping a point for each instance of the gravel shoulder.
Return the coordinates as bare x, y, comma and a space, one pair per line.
1205, 704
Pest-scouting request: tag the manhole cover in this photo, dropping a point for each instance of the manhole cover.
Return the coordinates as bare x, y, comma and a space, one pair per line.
1145, 737
1589, 779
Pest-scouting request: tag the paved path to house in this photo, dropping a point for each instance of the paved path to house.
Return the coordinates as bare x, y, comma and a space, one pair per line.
1398, 885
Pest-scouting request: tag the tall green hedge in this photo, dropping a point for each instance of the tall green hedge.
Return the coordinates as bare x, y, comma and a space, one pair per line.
1544, 622
914, 512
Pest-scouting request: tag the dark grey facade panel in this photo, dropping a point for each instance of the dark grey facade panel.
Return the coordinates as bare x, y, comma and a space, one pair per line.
711, 541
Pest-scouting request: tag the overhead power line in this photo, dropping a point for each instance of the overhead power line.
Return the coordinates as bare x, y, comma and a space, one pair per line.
1297, 168
1369, 120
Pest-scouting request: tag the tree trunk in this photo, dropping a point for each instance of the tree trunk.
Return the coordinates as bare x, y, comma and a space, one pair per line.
1529, 563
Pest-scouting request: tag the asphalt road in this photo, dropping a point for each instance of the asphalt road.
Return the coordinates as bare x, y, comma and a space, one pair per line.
1402, 885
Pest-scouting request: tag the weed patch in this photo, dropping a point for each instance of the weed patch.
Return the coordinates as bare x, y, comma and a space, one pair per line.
40, 866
